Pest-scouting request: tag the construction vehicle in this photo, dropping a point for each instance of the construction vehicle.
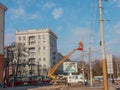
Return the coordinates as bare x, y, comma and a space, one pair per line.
75, 78
56, 66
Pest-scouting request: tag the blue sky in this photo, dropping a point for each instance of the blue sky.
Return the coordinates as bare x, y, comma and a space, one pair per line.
71, 20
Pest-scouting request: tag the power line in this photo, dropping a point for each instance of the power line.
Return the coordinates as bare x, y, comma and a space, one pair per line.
94, 21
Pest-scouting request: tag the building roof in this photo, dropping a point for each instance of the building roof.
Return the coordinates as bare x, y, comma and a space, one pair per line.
46, 30
3, 7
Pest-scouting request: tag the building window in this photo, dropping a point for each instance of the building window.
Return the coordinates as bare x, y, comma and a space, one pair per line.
24, 65
32, 43
31, 49
43, 48
39, 66
39, 59
43, 36
43, 53
23, 44
31, 40
19, 38
76, 77
32, 63
32, 54
44, 42
39, 37
24, 60
44, 66
39, 42
24, 37
44, 59
39, 48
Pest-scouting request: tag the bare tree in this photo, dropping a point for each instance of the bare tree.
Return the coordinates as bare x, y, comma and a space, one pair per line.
97, 68
116, 66
15, 55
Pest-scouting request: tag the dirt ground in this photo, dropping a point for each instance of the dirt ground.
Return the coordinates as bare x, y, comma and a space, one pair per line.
78, 87
65, 87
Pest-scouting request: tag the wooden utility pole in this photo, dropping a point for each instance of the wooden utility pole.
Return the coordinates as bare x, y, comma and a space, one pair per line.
104, 66
90, 62
83, 66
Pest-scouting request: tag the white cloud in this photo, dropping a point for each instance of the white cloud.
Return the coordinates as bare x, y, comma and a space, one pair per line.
34, 16
20, 12
117, 28
113, 46
59, 28
116, 2
73, 37
113, 42
57, 13
78, 34
17, 12
49, 4
81, 31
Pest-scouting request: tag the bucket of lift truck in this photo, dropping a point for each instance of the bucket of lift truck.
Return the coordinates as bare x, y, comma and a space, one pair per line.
80, 47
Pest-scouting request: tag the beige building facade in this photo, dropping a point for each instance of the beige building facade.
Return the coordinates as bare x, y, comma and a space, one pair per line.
41, 45
2, 16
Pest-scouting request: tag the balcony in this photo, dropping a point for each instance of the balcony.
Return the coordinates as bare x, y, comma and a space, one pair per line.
32, 40
32, 55
32, 63
32, 44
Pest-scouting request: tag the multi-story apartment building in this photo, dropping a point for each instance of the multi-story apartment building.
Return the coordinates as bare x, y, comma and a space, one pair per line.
41, 45
2, 14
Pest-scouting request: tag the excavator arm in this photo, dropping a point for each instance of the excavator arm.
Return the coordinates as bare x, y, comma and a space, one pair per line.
55, 67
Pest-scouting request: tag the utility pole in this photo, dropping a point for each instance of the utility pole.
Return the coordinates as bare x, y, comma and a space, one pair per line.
90, 61
83, 63
104, 66
83, 66
82, 49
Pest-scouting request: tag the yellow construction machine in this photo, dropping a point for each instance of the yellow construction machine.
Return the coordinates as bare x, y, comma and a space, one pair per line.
55, 67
